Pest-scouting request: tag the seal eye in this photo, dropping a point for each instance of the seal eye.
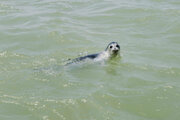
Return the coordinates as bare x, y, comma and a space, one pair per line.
111, 46
117, 46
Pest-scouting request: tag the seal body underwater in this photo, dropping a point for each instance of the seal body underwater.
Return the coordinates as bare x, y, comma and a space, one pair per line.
112, 50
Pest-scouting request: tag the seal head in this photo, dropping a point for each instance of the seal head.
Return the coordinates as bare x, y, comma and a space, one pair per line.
113, 49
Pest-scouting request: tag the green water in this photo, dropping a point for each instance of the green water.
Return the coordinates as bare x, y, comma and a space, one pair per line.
38, 36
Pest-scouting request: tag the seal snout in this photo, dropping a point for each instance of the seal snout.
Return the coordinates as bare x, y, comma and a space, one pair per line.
115, 50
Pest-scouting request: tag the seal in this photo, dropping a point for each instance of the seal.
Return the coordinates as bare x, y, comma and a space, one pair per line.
112, 50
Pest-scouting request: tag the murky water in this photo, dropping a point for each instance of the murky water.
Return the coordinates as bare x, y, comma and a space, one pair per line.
38, 36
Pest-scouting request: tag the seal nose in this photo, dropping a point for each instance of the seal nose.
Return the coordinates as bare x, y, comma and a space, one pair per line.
115, 49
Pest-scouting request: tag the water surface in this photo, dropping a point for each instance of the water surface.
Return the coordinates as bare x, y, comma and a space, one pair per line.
37, 37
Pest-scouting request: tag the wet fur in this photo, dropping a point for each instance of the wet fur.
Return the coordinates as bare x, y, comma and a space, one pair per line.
98, 56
